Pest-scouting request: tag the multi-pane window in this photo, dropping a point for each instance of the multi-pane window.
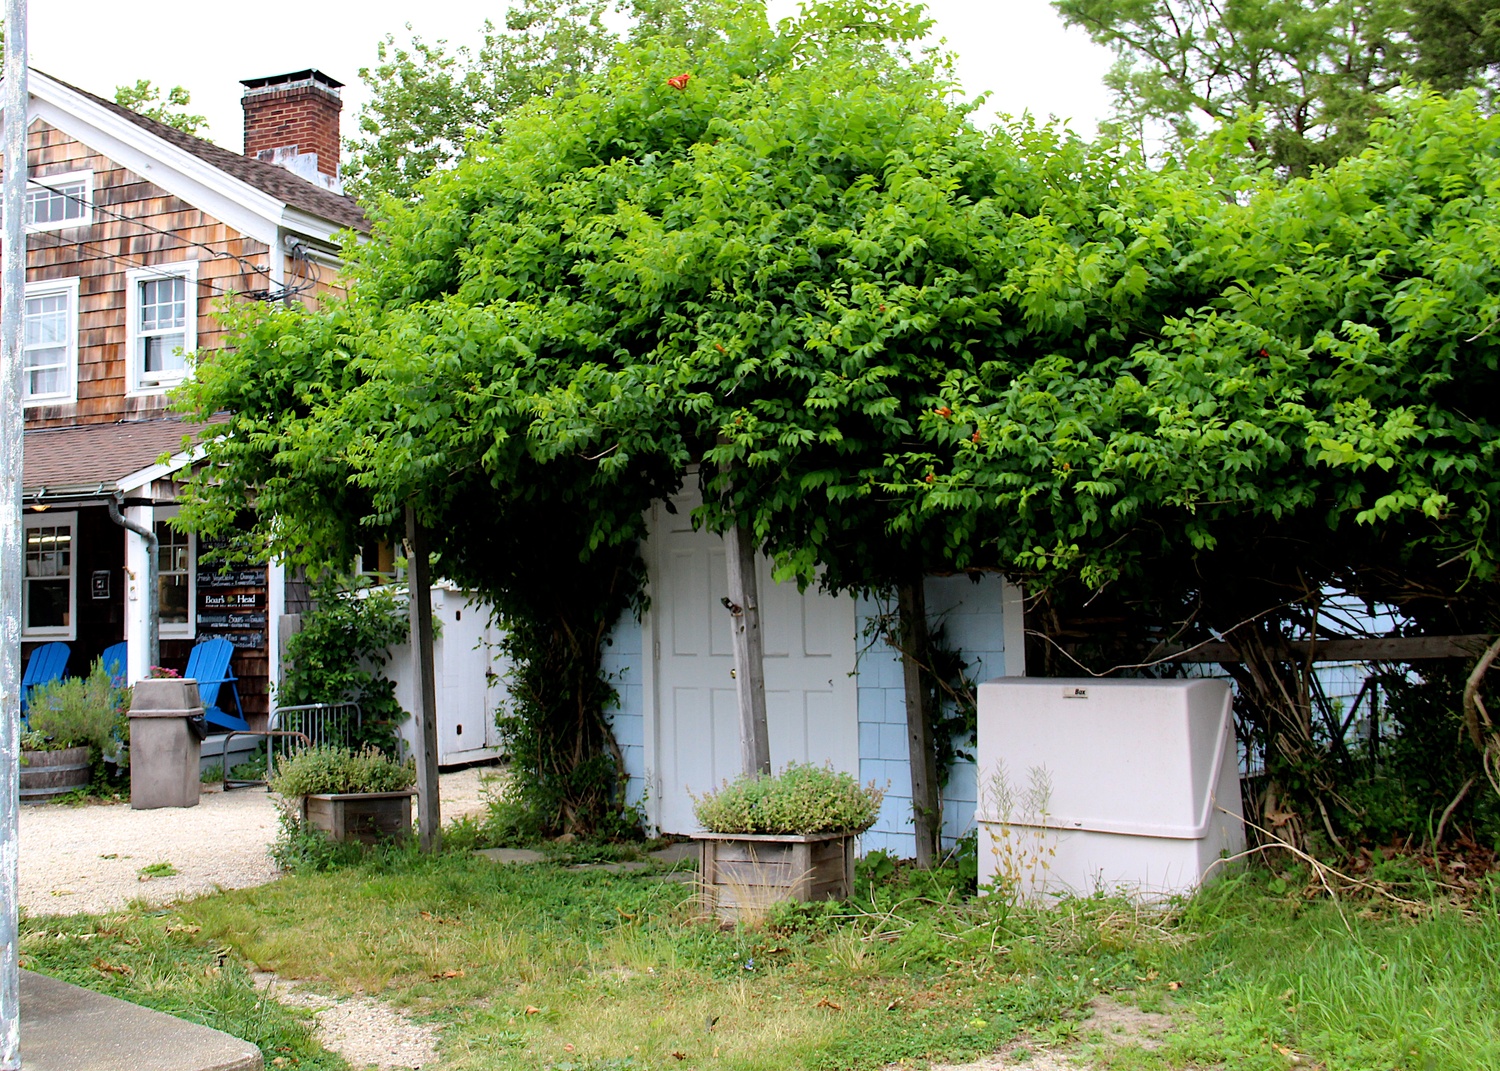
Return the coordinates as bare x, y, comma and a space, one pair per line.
162, 310
163, 318
174, 580
60, 201
49, 340
48, 585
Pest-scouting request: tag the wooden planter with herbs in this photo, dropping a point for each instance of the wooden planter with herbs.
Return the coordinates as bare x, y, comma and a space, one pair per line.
368, 817
743, 873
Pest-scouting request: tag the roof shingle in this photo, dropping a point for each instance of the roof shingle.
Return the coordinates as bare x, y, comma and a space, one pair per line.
268, 178
91, 455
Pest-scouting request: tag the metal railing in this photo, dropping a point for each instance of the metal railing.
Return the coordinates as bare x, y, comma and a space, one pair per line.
298, 726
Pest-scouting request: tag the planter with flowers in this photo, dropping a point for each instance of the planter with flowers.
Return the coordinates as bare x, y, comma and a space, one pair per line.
350, 795
783, 837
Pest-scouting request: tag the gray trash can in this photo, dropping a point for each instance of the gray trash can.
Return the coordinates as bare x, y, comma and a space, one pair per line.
166, 739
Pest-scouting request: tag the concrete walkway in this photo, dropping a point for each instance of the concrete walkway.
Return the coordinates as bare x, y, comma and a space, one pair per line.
65, 1028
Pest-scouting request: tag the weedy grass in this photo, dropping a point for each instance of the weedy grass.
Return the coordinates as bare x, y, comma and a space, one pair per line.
157, 959
556, 969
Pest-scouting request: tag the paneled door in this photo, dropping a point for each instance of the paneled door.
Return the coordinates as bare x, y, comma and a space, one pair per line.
811, 697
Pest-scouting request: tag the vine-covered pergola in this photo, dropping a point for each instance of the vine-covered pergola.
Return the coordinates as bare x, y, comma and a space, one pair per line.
889, 343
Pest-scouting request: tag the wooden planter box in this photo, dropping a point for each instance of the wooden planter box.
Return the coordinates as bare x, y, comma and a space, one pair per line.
367, 817
741, 873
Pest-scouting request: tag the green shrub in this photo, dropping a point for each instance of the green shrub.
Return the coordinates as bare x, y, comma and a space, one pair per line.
340, 769
77, 712
339, 655
801, 799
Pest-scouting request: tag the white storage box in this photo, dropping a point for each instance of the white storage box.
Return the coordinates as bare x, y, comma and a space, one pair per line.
1118, 786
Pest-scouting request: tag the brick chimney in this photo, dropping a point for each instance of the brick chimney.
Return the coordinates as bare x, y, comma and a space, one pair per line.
292, 121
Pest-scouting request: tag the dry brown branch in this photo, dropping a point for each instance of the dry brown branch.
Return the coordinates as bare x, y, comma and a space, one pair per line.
1437, 838
1476, 718
1320, 868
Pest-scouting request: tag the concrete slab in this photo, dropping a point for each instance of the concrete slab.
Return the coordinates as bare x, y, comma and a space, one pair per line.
681, 851
628, 867
67, 1028
512, 855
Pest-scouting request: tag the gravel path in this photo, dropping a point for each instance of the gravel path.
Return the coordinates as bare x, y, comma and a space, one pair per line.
89, 857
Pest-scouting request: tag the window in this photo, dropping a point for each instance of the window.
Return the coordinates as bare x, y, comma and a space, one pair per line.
174, 577
50, 342
49, 586
162, 306
56, 202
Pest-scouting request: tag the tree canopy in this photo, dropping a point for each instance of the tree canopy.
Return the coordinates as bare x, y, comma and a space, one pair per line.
783, 259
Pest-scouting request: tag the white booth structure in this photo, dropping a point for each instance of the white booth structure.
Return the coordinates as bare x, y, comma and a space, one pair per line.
1126, 787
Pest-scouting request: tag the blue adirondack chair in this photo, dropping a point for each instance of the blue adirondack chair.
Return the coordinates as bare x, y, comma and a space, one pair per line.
115, 664
208, 664
47, 664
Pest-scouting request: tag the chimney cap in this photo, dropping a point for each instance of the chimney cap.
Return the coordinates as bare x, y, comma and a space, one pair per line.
310, 75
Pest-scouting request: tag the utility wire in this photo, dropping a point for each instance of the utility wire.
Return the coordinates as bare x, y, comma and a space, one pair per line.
87, 203
164, 271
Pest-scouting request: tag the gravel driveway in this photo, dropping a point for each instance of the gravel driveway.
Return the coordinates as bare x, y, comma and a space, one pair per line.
89, 857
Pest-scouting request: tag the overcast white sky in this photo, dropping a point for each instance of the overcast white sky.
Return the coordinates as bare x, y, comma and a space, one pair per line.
1017, 49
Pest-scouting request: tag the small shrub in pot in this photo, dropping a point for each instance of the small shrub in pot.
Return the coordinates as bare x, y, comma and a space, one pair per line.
802, 799
340, 770
787, 837
350, 795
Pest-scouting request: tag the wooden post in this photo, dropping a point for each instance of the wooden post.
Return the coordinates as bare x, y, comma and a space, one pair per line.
749, 650
919, 718
12, 341
419, 583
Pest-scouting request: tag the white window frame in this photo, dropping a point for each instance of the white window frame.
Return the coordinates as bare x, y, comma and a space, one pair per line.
54, 181
70, 376
176, 630
137, 384
49, 519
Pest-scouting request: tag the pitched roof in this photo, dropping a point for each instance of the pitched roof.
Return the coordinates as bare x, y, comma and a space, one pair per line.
72, 460
268, 178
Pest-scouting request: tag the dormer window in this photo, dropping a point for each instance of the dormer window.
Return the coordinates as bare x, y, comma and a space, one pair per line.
57, 202
162, 306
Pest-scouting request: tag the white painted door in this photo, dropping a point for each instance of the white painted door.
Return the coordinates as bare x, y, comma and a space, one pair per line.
811, 697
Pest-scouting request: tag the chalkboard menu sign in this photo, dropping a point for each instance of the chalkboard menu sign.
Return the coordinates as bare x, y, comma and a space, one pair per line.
231, 601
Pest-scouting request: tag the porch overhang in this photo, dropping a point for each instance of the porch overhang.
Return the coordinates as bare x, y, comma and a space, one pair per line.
91, 463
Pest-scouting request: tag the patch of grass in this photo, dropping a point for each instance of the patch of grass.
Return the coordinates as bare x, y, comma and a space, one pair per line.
158, 960
1354, 986
545, 968
157, 870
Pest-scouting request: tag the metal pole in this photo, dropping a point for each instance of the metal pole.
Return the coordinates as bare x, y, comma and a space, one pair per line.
13, 100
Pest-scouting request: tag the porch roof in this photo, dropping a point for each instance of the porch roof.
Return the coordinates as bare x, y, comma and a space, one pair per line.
92, 459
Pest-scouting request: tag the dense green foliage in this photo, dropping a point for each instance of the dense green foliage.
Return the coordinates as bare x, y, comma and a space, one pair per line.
890, 343
427, 102
79, 712
802, 798
324, 768
338, 654
1318, 71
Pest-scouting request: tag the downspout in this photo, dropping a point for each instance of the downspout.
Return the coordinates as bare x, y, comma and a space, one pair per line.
153, 627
